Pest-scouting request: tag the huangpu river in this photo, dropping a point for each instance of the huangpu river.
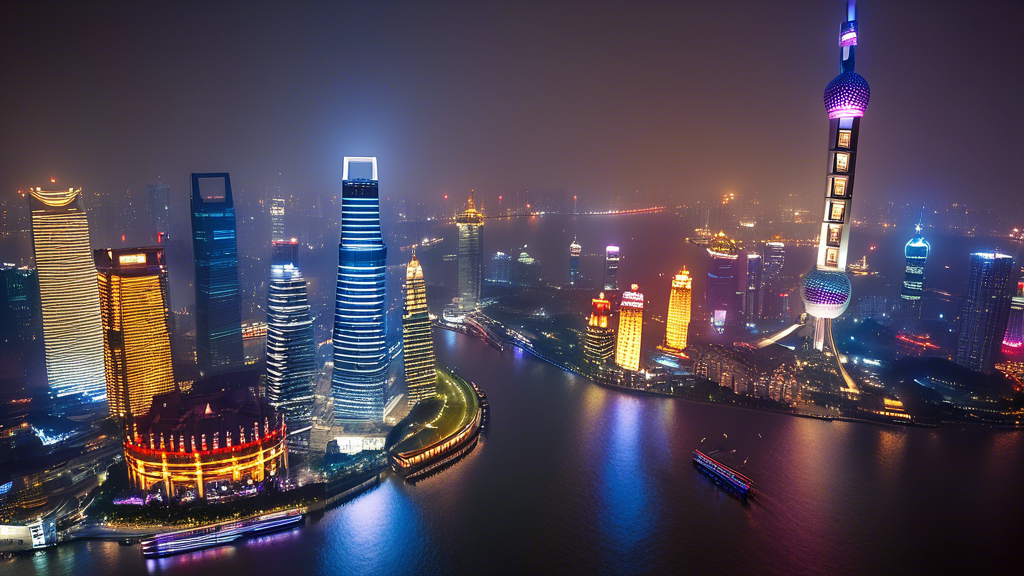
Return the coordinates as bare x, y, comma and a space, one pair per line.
572, 477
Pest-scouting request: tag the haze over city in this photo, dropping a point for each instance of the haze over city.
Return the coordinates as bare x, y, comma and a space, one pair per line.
528, 288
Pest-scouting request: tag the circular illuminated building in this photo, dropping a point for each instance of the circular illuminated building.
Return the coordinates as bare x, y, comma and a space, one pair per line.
202, 442
826, 293
847, 95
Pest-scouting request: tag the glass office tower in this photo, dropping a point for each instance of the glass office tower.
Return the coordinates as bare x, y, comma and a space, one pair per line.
218, 299
470, 223
291, 351
574, 262
360, 375
417, 339
137, 343
68, 295
986, 310
916, 252
611, 268
720, 290
753, 302
277, 219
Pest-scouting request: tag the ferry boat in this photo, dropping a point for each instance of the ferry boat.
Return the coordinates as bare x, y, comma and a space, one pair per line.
723, 475
171, 543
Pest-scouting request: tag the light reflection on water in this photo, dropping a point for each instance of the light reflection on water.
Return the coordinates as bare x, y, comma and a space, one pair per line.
573, 477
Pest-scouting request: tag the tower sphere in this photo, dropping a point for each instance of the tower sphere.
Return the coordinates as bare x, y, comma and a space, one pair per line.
826, 293
847, 95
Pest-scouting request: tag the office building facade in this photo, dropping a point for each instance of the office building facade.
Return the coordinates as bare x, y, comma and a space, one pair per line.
574, 262
599, 339
611, 268
359, 381
985, 311
677, 326
291, 349
19, 304
68, 294
916, 252
218, 297
417, 337
137, 343
631, 323
723, 279
470, 224
753, 302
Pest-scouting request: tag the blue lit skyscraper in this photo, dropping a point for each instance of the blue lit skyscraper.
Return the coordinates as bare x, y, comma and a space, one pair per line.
215, 248
985, 311
291, 353
574, 262
916, 252
360, 375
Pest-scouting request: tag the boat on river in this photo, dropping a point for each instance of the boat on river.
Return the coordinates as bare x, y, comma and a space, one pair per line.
724, 476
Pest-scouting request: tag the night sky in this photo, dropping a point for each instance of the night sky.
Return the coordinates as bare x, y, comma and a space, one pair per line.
673, 97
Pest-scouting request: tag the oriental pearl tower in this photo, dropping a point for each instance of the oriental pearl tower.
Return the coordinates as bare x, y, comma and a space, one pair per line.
826, 288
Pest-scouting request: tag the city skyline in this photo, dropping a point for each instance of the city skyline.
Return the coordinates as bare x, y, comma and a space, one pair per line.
230, 346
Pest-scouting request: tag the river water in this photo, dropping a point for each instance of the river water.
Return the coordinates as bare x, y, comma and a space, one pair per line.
572, 477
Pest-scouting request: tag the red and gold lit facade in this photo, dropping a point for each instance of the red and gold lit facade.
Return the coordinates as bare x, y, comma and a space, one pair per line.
599, 341
189, 441
631, 321
678, 324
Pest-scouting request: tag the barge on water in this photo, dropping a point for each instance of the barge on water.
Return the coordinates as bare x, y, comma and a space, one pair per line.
724, 476
171, 543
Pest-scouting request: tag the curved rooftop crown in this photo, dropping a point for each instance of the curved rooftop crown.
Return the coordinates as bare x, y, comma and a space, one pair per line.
847, 95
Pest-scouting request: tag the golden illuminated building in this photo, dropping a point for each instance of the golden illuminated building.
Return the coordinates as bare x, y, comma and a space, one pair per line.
599, 340
136, 341
72, 330
678, 323
417, 339
631, 321
199, 442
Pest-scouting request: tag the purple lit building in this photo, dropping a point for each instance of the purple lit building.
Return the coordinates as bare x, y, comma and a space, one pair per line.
826, 288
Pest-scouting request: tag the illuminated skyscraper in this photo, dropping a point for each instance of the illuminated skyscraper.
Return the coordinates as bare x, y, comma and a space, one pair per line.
753, 303
360, 375
773, 256
291, 350
574, 262
611, 268
723, 279
1013, 339
277, 219
599, 341
137, 344
985, 312
218, 299
677, 326
631, 323
19, 304
470, 223
417, 340
916, 252
501, 269
68, 296
826, 288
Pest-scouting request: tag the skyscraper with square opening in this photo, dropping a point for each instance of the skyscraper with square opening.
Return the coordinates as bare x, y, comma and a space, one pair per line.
218, 298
